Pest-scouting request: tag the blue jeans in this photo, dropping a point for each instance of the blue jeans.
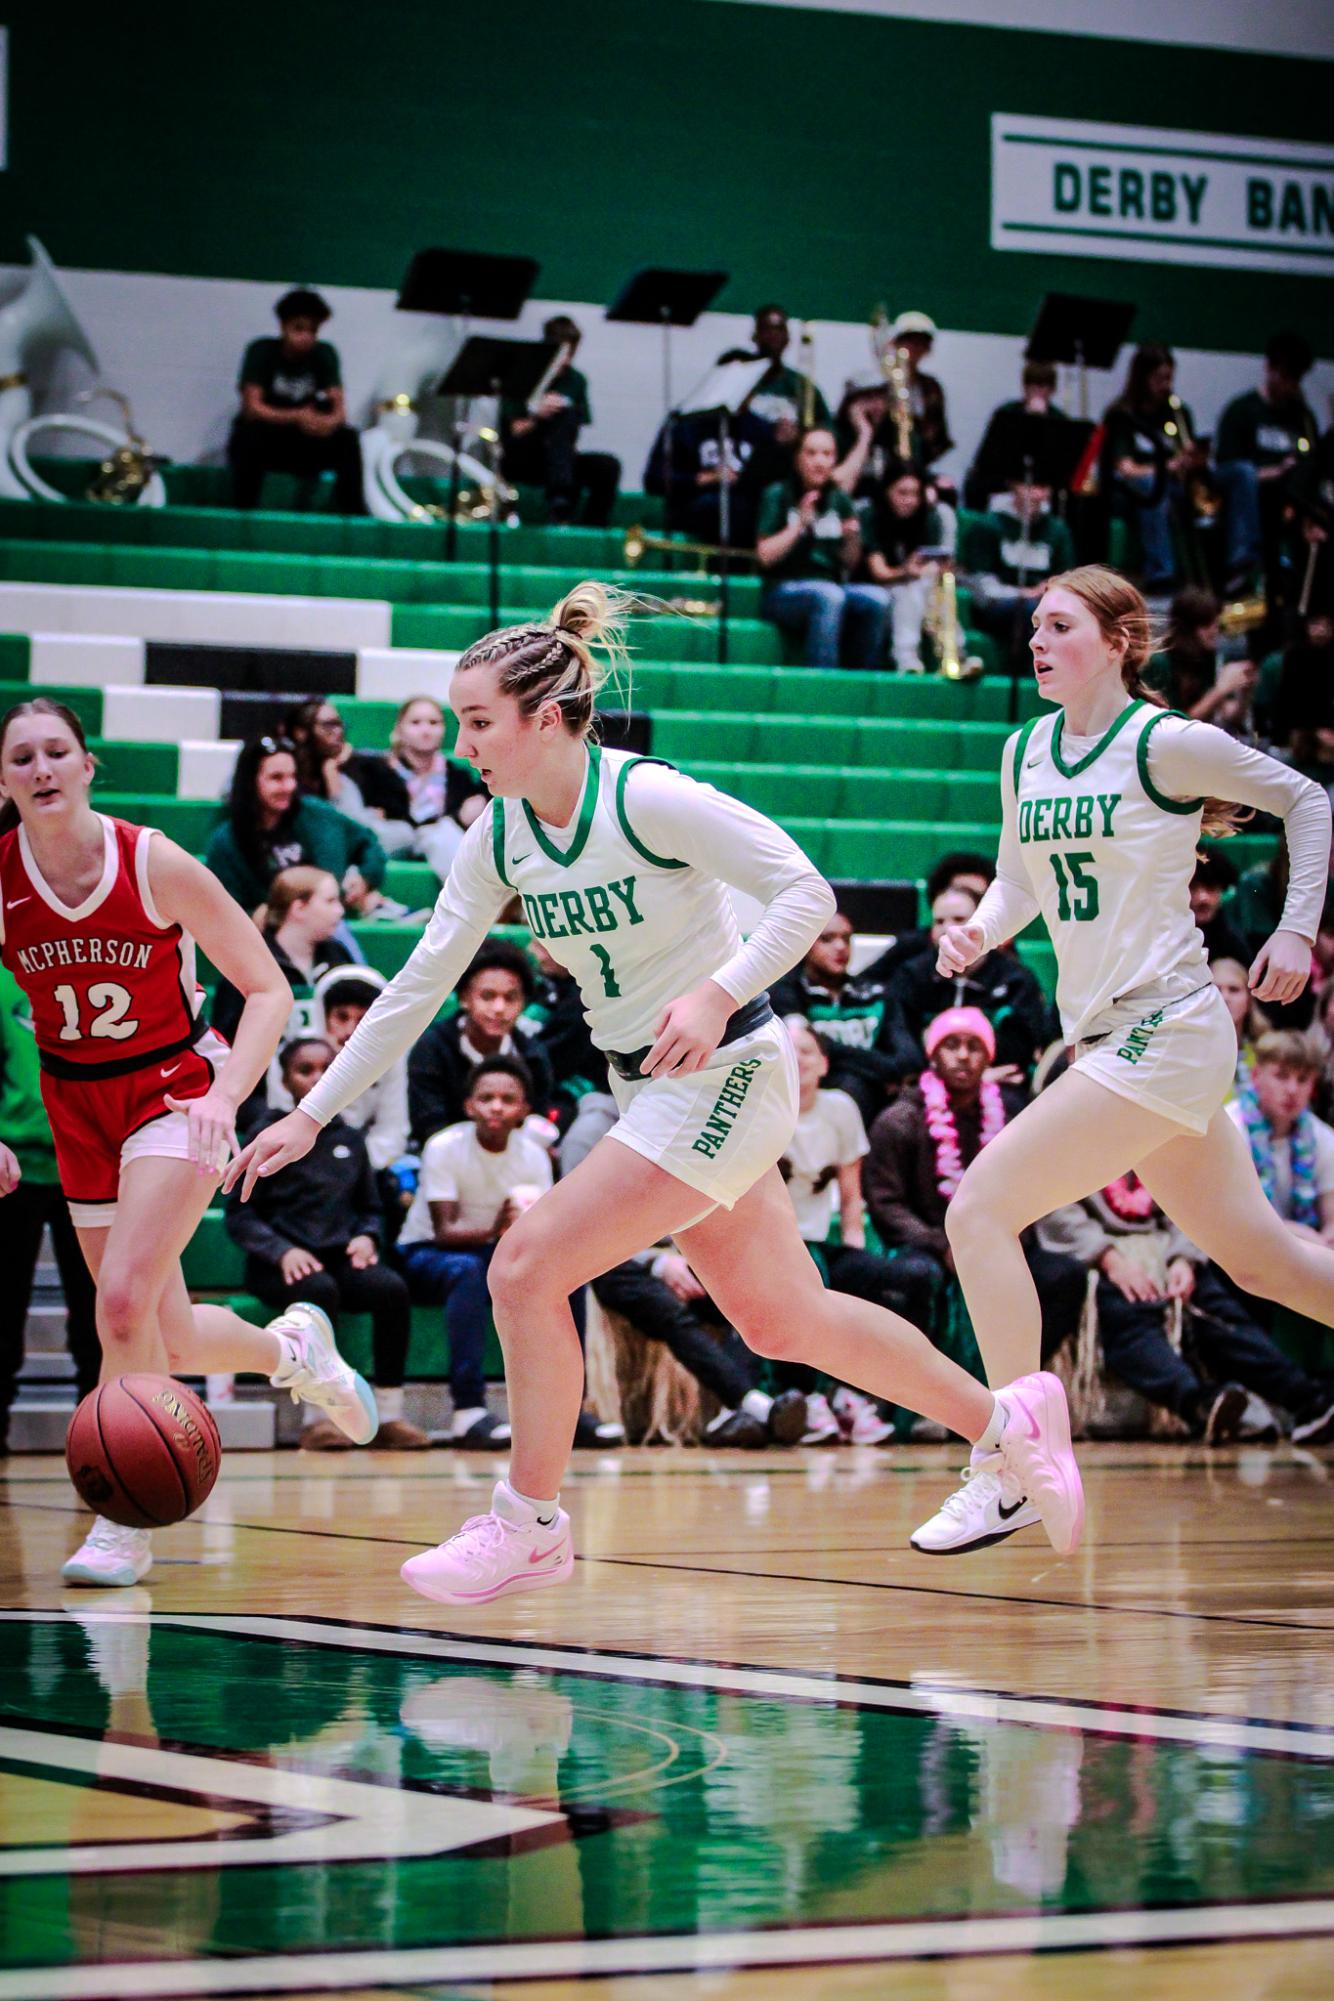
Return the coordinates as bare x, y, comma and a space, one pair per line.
826, 612
1239, 484
456, 1279
1154, 522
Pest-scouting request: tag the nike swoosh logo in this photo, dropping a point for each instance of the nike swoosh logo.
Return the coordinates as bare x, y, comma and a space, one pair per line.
516, 859
1033, 1431
16, 901
547, 1555
169, 1073
1005, 1513
1033, 764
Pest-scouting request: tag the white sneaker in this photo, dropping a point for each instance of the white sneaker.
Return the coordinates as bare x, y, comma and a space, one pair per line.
822, 1427
858, 1418
1037, 1454
110, 1555
319, 1375
986, 1509
507, 1550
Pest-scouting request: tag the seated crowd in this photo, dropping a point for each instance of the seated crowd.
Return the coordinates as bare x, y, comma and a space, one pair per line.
904, 1078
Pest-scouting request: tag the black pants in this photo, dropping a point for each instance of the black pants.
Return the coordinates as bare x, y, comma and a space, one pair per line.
724, 1365
1060, 1281
548, 456
255, 448
377, 1290
864, 1276
23, 1217
1222, 1339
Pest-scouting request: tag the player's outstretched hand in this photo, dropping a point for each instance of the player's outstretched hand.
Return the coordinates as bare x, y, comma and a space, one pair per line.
276, 1147
212, 1123
960, 947
689, 1031
10, 1172
1282, 967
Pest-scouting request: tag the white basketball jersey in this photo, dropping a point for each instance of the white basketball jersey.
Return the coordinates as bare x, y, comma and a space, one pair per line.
1110, 860
636, 929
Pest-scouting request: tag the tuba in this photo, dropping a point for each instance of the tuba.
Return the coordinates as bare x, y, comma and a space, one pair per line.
393, 437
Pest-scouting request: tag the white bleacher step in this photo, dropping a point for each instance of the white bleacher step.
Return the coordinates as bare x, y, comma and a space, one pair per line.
160, 715
396, 673
44, 1330
39, 1425
85, 659
39, 1420
218, 618
204, 769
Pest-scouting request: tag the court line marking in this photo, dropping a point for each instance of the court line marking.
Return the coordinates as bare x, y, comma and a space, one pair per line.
547, 1959
780, 1684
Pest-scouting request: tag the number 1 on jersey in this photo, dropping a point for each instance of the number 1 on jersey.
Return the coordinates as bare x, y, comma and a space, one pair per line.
1074, 871
603, 957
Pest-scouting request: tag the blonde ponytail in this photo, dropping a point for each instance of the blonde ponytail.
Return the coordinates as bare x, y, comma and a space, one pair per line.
569, 659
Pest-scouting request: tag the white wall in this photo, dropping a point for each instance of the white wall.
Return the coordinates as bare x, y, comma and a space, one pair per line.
173, 346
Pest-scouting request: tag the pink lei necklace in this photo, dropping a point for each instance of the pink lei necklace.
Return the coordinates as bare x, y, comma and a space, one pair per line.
943, 1130
1128, 1198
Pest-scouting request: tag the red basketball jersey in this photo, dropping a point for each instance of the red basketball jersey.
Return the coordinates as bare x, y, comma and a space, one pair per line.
112, 984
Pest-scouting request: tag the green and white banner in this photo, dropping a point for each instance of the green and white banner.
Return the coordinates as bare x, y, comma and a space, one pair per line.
1140, 192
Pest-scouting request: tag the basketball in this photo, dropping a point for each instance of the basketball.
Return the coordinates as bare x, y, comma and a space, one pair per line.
143, 1451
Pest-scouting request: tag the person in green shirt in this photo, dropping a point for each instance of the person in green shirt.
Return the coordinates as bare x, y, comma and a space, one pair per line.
783, 398
541, 445
32, 1202
271, 825
809, 542
1009, 559
293, 415
1263, 439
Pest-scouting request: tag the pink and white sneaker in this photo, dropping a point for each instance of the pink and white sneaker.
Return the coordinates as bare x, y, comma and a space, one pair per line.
507, 1550
859, 1419
1037, 1455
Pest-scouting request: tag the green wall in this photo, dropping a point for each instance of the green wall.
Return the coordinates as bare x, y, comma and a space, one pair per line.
828, 159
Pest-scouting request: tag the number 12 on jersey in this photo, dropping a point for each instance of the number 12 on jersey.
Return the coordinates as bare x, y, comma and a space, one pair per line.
1074, 872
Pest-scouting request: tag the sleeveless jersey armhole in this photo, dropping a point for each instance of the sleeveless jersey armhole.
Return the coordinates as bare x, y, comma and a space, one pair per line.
658, 861
1020, 746
498, 840
1142, 761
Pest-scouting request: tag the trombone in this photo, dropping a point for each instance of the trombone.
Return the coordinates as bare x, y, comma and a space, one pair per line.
639, 540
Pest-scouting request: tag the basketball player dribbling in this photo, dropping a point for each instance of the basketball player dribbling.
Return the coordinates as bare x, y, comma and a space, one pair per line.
621, 863
98, 925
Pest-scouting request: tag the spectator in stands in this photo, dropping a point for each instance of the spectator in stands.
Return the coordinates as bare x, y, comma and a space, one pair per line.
1187, 671
343, 997
1248, 1018
870, 1050
867, 448
303, 912
660, 1297
686, 470
540, 446
494, 991
915, 333
293, 415
38, 1203
1027, 441
809, 544
1262, 438
313, 1234
1214, 876
443, 796
477, 1175
960, 868
1293, 1151
905, 541
823, 1171
999, 985
1143, 461
269, 826
919, 1149
1303, 716
1311, 488
1009, 557
1144, 1265
360, 784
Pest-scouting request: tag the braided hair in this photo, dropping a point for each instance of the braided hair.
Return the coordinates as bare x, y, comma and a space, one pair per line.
567, 659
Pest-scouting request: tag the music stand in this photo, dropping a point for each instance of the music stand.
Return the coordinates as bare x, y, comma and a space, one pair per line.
720, 396
475, 284
657, 296
487, 366
1080, 333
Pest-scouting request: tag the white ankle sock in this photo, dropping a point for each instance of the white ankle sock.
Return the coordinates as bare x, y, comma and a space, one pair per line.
465, 1419
758, 1404
996, 1424
389, 1405
289, 1357
528, 1507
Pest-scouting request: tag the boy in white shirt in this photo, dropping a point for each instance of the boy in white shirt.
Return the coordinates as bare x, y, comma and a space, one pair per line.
476, 1178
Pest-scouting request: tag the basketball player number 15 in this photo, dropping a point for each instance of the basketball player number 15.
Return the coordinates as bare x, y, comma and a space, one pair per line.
1074, 872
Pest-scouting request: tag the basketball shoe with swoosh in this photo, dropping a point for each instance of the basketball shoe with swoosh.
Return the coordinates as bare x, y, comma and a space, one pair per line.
1037, 1456
110, 1555
491, 1555
315, 1372
988, 1508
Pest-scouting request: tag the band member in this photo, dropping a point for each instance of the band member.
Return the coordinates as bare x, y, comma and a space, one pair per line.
541, 444
1028, 438
293, 415
784, 399
1145, 464
809, 545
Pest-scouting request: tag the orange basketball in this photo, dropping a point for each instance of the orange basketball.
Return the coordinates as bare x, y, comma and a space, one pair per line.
143, 1451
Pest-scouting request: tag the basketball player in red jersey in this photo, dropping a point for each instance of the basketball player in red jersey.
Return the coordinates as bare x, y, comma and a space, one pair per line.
98, 925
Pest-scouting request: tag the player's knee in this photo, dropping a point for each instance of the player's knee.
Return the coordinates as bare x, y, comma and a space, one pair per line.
520, 1272
123, 1306
772, 1335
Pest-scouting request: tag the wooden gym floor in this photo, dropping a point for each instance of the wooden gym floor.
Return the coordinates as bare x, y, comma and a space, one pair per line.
758, 1748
